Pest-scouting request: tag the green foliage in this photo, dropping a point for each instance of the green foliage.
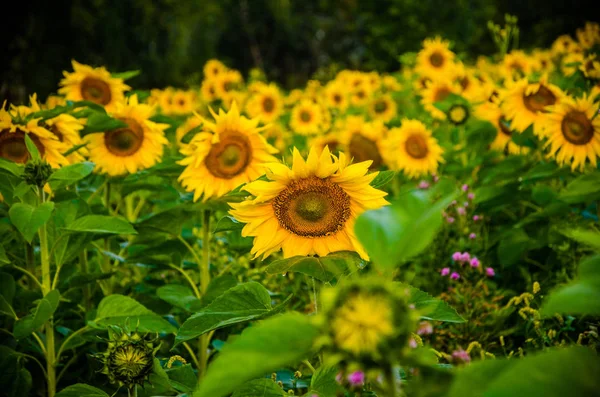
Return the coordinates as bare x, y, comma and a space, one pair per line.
81, 389
70, 174
325, 268
28, 218
42, 313
100, 224
259, 388
122, 310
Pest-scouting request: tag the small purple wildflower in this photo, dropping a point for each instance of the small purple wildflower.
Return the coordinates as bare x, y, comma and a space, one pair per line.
450, 219
475, 262
423, 185
455, 276
461, 356
445, 271
357, 378
425, 328
461, 211
490, 272
471, 196
465, 187
465, 257
457, 256
476, 218
472, 236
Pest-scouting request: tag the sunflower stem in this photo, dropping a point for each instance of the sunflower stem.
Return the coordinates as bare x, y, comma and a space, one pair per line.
84, 269
105, 258
29, 258
46, 287
204, 281
390, 381
314, 295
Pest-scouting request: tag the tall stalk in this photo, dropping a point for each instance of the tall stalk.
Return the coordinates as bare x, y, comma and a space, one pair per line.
47, 286
204, 281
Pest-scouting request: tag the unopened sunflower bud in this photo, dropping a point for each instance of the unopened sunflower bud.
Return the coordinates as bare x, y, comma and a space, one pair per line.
297, 374
37, 173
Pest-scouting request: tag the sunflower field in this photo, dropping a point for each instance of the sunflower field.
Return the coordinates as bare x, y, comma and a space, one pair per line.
429, 232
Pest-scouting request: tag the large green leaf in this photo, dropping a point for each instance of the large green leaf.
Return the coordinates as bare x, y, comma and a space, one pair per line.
431, 308
583, 236
245, 302
81, 390
28, 219
15, 379
324, 268
43, 311
228, 223
101, 122
178, 295
182, 378
259, 388
259, 350
324, 383
394, 234
12, 168
101, 224
561, 372
170, 222
3, 258
512, 246
120, 310
8, 288
32, 148
585, 188
70, 174
382, 179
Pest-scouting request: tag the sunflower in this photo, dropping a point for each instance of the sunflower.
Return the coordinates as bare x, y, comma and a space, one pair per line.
306, 118
525, 103
542, 61
227, 81
92, 84
226, 154
503, 140
266, 104
437, 91
435, 59
331, 140
234, 96
564, 45
308, 209
54, 100
137, 146
183, 102
391, 83
382, 108
12, 139
293, 97
361, 95
213, 68
591, 67
589, 35
412, 149
573, 132
165, 99
466, 80
208, 90
515, 66
364, 141
571, 63
191, 123
374, 80
336, 96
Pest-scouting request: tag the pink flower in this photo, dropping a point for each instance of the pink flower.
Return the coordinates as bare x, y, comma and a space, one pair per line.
461, 356
456, 257
423, 185
461, 211
465, 187
465, 257
445, 271
413, 343
472, 236
475, 262
490, 272
466, 204
339, 377
425, 328
455, 276
453, 202
450, 219
471, 196
357, 378
435, 178
476, 218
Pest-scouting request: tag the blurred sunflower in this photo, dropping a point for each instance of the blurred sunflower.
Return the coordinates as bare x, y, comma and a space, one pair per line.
191, 123
336, 96
228, 81
573, 132
361, 95
391, 83
564, 45
515, 66
382, 108
308, 209
542, 61
571, 62
364, 141
226, 154
591, 67
466, 80
54, 100
589, 35
374, 80
306, 118
238, 97
503, 140
213, 68
437, 91
412, 149
331, 140
165, 99
137, 146
183, 102
92, 84
525, 103
208, 90
435, 59
266, 104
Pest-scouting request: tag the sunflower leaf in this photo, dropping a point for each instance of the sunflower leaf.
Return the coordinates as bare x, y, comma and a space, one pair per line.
382, 179
324, 268
125, 75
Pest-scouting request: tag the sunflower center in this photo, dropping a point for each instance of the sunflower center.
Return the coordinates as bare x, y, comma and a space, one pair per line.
464, 83
577, 128
13, 147
95, 90
53, 129
268, 105
129, 362
364, 149
230, 156
380, 106
504, 126
125, 141
337, 98
312, 207
458, 114
416, 146
436, 59
538, 101
441, 94
305, 116
228, 86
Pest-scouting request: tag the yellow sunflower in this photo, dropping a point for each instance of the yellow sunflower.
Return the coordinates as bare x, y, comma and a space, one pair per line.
306, 118
190, 123
573, 132
92, 84
374, 80
208, 90
293, 97
183, 102
228, 81
165, 99
226, 154
308, 209
361, 95
591, 67
435, 59
331, 140
515, 66
213, 68
266, 104
364, 141
382, 108
571, 62
391, 83
336, 95
466, 80
437, 91
525, 103
12, 139
129, 149
234, 96
412, 149
542, 61
564, 45
589, 35
54, 100
503, 141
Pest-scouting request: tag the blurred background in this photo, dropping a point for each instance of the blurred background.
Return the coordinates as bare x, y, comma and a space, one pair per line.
291, 40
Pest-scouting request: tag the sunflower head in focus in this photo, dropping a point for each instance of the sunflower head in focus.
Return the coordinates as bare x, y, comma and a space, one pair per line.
96, 85
306, 118
266, 104
213, 68
573, 131
368, 319
363, 141
310, 208
136, 146
435, 59
437, 91
382, 108
225, 155
412, 149
526, 103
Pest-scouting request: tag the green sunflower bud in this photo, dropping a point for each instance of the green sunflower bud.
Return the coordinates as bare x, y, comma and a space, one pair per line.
458, 114
37, 172
129, 359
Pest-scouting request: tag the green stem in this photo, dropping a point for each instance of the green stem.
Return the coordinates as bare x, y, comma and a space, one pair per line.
84, 269
71, 336
33, 277
46, 287
188, 278
29, 258
132, 391
106, 259
192, 354
390, 382
204, 281
314, 295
